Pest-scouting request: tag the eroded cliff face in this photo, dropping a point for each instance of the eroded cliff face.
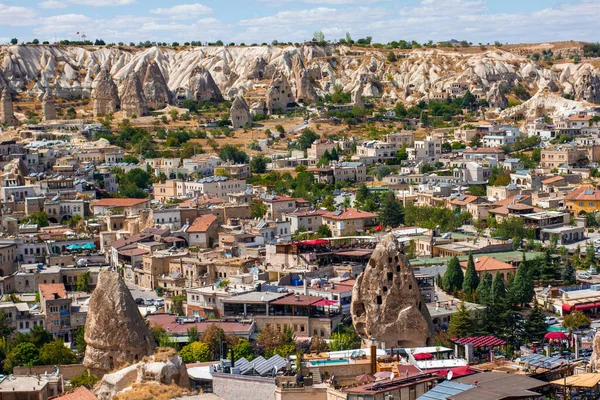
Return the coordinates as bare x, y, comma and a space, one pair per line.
115, 331
387, 303
311, 71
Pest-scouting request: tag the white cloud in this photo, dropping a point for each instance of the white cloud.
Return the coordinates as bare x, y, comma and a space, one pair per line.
62, 24
183, 11
53, 4
103, 3
16, 16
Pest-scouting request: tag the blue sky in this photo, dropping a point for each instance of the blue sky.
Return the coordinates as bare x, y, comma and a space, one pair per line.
250, 21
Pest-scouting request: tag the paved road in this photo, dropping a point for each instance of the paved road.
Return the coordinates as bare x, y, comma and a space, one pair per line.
138, 292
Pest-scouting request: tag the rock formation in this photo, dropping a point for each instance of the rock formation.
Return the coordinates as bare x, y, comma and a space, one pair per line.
240, 114
587, 88
202, 85
357, 94
279, 94
156, 91
386, 301
105, 94
163, 368
7, 114
595, 358
496, 97
305, 92
115, 332
133, 101
48, 107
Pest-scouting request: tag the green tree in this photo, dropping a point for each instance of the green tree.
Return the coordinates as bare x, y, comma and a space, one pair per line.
471, 280
461, 323
22, 354
214, 336
453, 278
14, 41
535, 327
85, 379
195, 352
258, 164
243, 348
40, 219
307, 137
80, 343
177, 304
484, 290
83, 282
498, 289
279, 129
232, 153
328, 203
139, 178
521, 290
56, 353
323, 232
258, 209
576, 320
568, 273
6, 328
391, 212
193, 334
344, 338
362, 193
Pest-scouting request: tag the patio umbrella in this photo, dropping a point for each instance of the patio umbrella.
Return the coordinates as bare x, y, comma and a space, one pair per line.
556, 336
88, 246
422, 356
366, 378
383, 375
73, 247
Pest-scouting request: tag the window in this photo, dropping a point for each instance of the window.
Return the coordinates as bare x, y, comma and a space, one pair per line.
53, 309
379, 300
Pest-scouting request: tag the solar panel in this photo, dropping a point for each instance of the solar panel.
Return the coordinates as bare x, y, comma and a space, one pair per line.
275, 362
338, 212
444, 390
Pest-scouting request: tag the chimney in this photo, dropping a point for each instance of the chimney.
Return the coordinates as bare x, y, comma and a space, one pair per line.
373, 356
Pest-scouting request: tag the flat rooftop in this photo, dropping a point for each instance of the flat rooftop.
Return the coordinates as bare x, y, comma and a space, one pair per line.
17, 383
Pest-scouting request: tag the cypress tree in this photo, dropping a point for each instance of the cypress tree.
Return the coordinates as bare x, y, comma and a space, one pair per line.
471, 280
484, 290
498, 289
453, 278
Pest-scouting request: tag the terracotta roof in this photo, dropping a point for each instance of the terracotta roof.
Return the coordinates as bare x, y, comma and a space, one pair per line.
117, 244
134, 252
519, 198
119, 202
278, 199
348, 213
584, 193
486, 263
580, 118
204, 200
519, 206
81, 393
50, 291
313, 213
483, 150
553, 180
467, 199
202, 223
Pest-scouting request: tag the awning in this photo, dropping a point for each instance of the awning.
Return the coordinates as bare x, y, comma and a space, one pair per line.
313, 242
480, 341
589, 306
567, 307
422, 356
325, 303
457, 372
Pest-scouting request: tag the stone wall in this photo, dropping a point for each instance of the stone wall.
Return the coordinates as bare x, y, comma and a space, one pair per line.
67, 371
230, 386
304, 393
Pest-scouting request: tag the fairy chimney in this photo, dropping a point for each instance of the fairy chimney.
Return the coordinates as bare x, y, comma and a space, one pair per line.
240, 114
115, 331
7, 114
387, 303
203, 86
133, 102
105, 95
155, 87
48, 107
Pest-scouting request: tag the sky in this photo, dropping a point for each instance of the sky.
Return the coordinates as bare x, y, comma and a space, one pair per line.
257, 21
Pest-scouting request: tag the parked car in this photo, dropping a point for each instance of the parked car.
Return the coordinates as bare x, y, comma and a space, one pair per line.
551, 320
159, 302
584, 275
149, 302
139, 301
592, 271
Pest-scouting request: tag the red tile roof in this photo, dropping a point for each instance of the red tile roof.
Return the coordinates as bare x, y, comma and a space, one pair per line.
519, 198
553, 180
467, 199
81, 393
50, 291
584, 193
117, 244
486, 263
202, 223
349, 213
119, 202
480, 341
483, 150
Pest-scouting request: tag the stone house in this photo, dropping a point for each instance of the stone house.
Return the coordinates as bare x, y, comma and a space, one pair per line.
203, 232
349, 221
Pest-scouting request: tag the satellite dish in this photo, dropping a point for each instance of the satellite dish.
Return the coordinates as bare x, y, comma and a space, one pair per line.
449, 376
392, 376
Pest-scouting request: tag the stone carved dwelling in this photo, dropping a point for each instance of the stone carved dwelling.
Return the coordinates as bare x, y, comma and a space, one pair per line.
387, 303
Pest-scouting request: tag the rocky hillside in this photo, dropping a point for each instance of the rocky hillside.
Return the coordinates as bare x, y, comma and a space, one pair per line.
166, 74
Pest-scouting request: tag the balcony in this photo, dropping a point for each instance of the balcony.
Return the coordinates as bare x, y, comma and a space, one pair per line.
65, 313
